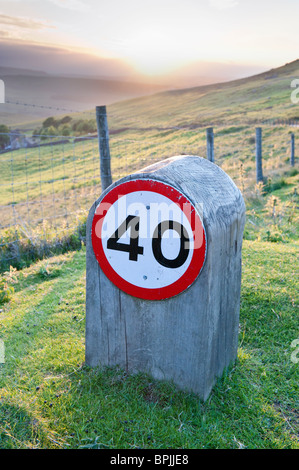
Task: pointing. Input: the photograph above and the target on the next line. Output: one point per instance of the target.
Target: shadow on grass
(17, 429)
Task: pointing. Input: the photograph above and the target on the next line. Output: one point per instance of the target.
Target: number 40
(134, 249)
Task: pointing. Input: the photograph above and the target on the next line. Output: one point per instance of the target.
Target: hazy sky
(156, 36)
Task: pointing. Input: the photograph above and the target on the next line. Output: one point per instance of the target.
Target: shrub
(6, 289)
(270, 185)
(50, 121)
(4, 137)
(19, 252)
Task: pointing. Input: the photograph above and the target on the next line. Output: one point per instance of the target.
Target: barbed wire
(16, 102)
(139, 120)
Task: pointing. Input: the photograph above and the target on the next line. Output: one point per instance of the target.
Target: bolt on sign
(163, 273)
(148, 239)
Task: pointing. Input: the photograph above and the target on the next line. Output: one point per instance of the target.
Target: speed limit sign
(149, 239)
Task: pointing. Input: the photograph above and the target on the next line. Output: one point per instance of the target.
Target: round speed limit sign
(148, 239)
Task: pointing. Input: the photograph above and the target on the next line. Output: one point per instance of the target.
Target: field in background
(46, 191)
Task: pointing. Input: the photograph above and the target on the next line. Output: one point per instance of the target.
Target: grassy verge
(50, 399)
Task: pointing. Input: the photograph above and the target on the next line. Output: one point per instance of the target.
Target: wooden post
(292, 149)
(103, 135)
(210, 144)
(189, 334)
(258, 155)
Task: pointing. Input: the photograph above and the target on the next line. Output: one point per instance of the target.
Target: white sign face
(148, 239)
(148, 210)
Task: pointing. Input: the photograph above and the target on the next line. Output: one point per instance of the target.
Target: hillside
(46, 94)
(49, 397)
(258, 98)
(151, 128)
(254, 99)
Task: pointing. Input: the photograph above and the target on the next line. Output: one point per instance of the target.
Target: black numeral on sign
(132, 223)
(157, 242)
(132, 248)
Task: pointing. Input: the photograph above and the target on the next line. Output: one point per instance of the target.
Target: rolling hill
(49, 397)
(150, 128)
(258, 98)
(44, 94)
(261, 97)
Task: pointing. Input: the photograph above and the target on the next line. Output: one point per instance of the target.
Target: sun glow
(153, 66)
(153, 52)
(155, 38)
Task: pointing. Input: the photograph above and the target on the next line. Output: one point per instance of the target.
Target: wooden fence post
(258, 155)
(103, 135)
(210, 144)
(292, 149)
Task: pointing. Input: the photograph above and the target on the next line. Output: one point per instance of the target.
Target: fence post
(258, 155)
(103, 135)
(292, 149)
(210, 144)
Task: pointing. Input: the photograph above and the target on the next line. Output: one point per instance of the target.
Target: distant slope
(254, 99)
(258, 98)
(60, 94)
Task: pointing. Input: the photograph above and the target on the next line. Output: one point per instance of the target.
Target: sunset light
(154, 38)
(149, 229)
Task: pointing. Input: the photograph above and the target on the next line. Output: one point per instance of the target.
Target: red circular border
(198, 256)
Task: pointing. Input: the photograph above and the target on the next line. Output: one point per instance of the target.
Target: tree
(4, 136)
(50, 121)
(36, 132)
(83, 126)
(51, 130)
(65, 120)
(66, 130)
(76, 125)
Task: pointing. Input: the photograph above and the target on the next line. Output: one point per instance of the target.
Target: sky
(228, 38)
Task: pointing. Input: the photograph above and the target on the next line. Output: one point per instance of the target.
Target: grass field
(50, 399)
(46, 192)
(152, 128)
(147, 129)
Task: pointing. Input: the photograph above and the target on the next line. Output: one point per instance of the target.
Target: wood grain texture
(292, 161)
(104, 148)
(258, 155)
(191, 338)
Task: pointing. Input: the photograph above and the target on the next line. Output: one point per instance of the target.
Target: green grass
(53, 188)
(55, 183)
(50, 399)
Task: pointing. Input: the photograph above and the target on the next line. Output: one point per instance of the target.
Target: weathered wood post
(210, 144)
(103, 135)
(258, 155)
(292, 161)
(163, 273)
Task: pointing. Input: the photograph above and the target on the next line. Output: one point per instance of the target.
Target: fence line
(47, 188)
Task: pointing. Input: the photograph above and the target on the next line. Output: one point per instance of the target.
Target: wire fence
(47, 186)
(45, 191)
